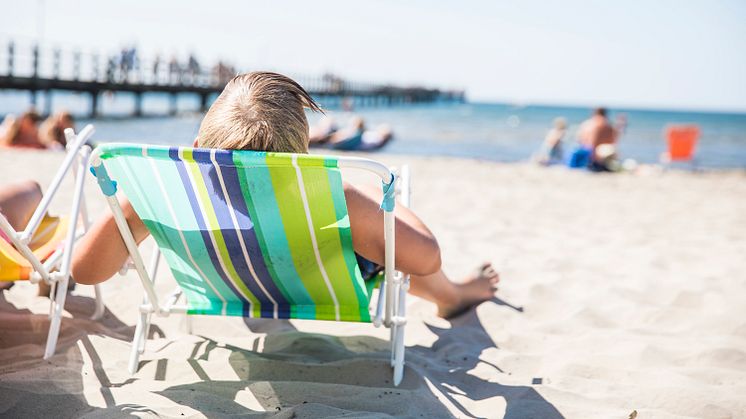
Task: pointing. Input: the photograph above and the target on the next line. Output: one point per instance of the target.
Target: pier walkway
(43, 72)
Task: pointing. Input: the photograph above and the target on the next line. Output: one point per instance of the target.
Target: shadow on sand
(292, 373)
(32, 387)
(450, 358)
(285, 374)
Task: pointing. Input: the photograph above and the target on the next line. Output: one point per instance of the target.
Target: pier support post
(138, 103)
(94, 105)
(203, 102)
(174, 105)
(48, 103)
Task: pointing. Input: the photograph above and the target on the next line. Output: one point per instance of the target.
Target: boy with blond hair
(264, 111)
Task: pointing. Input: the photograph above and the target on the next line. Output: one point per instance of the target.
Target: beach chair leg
(99, 312)
(392, 338)
(145, 333)
(398, 346)
(137, 342)
(54, 326)
(398, 341)
(52, 293)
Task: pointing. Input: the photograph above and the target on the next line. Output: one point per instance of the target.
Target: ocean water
(497, 132)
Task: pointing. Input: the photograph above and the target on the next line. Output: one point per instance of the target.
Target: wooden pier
(94, 75)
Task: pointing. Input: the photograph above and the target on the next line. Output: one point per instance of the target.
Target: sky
(662, 54)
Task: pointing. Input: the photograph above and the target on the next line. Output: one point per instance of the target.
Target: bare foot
(476, 288)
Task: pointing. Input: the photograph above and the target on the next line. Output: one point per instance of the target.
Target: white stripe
(212, 236)
(313, 236)
(179, 229)
(238, 232)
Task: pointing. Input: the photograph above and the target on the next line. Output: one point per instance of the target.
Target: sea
(489, 131)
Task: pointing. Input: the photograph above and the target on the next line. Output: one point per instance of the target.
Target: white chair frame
(390, 309)
(55, 271)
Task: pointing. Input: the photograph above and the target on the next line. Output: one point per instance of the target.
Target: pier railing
(44, 69)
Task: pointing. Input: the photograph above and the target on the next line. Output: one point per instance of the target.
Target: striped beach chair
(43, 250)
(252, 234)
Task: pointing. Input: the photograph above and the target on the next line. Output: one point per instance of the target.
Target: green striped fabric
(247, 233)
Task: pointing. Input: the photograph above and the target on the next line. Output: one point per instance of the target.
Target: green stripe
(293, 216)
(345, 237)
(326, 226)
(212, 224)
(270, 231)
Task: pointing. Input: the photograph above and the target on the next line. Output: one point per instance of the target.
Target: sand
(620, 293)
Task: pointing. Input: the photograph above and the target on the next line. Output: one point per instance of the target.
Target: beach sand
(619, 293)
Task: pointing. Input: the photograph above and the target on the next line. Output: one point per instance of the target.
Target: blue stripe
(228, 231)
(211, 251)
(263, 207)
(233, 186)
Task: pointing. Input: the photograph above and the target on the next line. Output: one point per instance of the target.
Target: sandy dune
(619, 293)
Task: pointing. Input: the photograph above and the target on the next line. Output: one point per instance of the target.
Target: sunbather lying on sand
(355, 137)
(264, 111)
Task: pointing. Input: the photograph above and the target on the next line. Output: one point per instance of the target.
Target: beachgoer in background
(322, 132)
(355, 137)
(278, 123)
(597, 150)
(551, 150)
(377, 138)
(21, 132)
(52, 130)
(350, 137)
(598, 133)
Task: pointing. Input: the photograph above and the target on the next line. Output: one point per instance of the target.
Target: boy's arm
(102, 252)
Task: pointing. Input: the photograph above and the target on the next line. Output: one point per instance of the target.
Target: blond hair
(260, 111)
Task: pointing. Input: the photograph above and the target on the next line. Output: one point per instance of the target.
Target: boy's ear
(195, 144)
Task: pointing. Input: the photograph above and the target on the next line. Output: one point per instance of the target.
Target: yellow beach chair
(43, 250)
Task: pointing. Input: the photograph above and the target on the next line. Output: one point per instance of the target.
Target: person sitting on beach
(52, 130)
(21, 132)
(600, 137)
(551, 150)
(263, 111)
